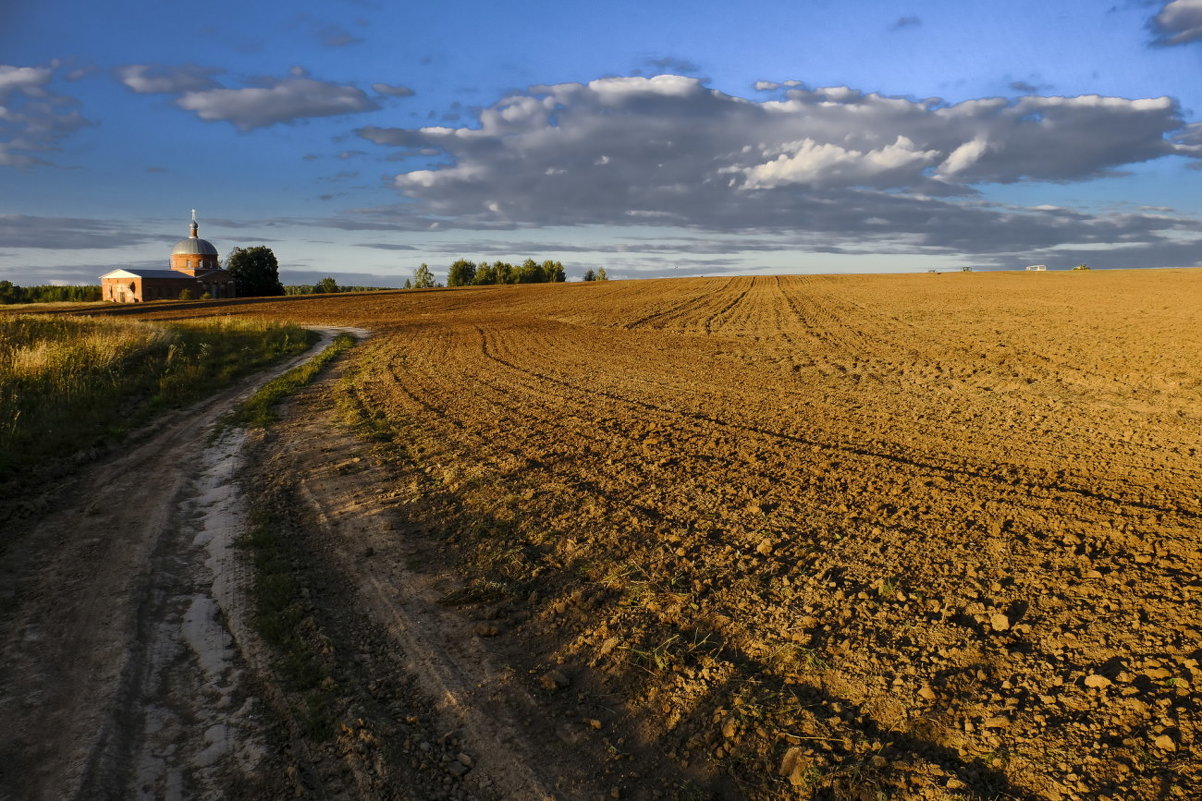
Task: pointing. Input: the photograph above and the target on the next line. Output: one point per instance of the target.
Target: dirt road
(131, 670)
(122, 674)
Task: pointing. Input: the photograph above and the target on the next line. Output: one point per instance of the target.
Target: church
(194, 268)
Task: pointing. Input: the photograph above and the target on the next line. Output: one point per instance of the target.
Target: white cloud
(843, 164)
(33, 120)
(601, 148)
(155, 79)
(270, 102)
(1190, 139)
(1179, 22)
(963, 157)
(283, 100)
(27, 80)
(810, 162)
(614, 91)
(417, 179)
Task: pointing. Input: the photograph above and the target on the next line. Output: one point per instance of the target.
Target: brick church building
(194, 267)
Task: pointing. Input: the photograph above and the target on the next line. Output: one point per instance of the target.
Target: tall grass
(69, 384)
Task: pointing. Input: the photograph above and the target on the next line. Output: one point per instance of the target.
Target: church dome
(196, 246)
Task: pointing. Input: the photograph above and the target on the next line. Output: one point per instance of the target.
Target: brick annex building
(194, 267)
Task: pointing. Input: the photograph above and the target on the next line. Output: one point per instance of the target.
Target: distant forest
(12, 293)
(328, 285)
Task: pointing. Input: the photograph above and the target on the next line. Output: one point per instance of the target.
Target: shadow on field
(501, 569)
(489, 548)
(896, 757)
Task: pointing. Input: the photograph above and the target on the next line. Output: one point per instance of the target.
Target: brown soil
(851, 537)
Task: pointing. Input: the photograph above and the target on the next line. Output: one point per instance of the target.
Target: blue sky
(360, 138)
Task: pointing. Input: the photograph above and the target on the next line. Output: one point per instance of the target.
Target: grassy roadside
(259, 409)
(301, 654)
(72, 385)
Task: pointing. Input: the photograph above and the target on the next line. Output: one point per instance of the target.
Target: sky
(360, 138)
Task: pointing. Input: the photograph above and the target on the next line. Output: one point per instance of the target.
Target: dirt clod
(553, 680)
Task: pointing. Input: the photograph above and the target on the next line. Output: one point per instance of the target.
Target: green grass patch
(69, 384)
(259, 409)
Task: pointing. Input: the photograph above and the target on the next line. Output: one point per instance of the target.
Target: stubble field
(821, 537)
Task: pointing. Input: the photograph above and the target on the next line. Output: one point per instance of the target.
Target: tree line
(467, 273)
(13, 293)
(328, 285)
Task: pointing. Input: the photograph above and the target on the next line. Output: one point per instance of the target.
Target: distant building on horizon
(194, 268)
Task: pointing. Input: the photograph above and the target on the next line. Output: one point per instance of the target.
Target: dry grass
(68, 384)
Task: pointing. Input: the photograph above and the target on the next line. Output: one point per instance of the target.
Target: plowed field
(833, 537)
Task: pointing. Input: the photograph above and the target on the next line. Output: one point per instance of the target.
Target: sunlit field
(911, 535)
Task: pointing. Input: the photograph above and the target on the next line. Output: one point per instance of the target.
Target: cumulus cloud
(33, 119)
(670, 149)
(851, 169)
(815, 164)
(30, 81)
(1178, 22)
(157, 79)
